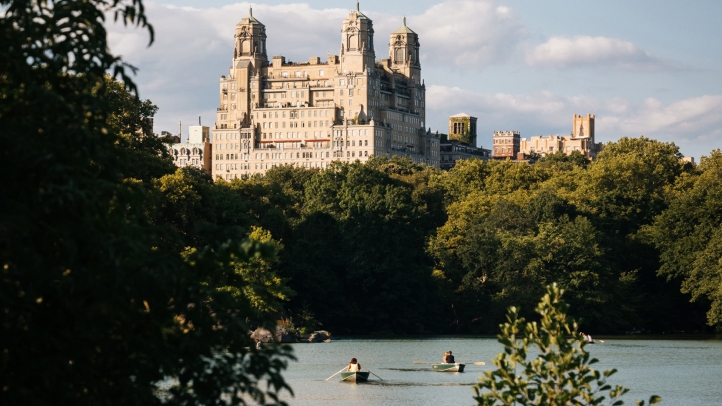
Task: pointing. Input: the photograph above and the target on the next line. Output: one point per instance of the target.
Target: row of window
(310, 154)
(186, 162)
(353, 133)
(295, 114)
(220, 157)
(294, 124)
(231, 167)
(293, 135)
(231, 136)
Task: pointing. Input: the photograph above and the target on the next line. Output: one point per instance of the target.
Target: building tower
(462, 128)
(583, 127)
(404, 53)
(249, 57)
(250, 39)
(357, 43)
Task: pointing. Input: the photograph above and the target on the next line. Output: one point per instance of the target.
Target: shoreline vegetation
(119, 270)
(391, 247)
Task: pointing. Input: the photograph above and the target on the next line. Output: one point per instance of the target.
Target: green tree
(96, 308)
(260, 284)
(688, 236)
(377, 263)
(561, 373)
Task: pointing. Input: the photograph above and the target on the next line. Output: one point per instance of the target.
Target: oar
(336, 373)
(374, 374)
(475, 363)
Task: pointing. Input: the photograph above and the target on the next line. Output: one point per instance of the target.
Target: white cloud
(695, 124)
(586, 51)
(467, 33)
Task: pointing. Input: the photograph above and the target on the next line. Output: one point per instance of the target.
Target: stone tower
(583, 127)
(404, 53)
(238, 91)
(462, 127)
(250, 41)
(357, 42)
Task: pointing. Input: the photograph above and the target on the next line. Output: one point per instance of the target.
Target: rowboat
(456, 367)
(355, 376)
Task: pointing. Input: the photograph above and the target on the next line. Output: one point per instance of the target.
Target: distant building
(461, 142)
(309, 114)
(462, 128)
(581, 139)
(507, 144)
(689, 159)
(196, 151)
(452, 151)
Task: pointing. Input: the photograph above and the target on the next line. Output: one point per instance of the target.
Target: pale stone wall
(581, 139)
(309, 114)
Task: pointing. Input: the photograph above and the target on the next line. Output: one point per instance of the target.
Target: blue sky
(642, 67)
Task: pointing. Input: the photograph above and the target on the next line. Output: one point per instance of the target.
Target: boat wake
(409, 369)
(387, 383)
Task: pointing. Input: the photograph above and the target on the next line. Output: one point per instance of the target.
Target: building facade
(196, 151)
(461, 142)
(507, 144)
(581, 139)
(453, 151)
(349, 107)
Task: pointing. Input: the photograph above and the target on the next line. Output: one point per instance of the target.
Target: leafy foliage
(560, 374)
(689, 238)
(104, 292)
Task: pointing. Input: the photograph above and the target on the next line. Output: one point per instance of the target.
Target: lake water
(684, 372)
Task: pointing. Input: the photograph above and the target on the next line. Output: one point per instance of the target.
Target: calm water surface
(684, 372)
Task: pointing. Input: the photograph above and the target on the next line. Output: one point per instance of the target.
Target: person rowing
(448, 358)
(353, 366)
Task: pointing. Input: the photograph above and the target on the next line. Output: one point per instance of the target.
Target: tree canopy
(112, 261)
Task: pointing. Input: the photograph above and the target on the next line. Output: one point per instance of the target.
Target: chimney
(199, 120)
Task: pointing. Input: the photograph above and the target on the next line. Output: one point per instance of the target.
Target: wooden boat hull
(355, 376)
(456, 367)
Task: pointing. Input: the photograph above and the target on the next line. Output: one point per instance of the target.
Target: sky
(643, 67)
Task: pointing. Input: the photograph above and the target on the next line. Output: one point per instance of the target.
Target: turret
(404, 52)
(357, 42)
(250, 40)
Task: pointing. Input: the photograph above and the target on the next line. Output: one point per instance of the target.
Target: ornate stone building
(581, 139)
(196, 151)
(349, 107)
